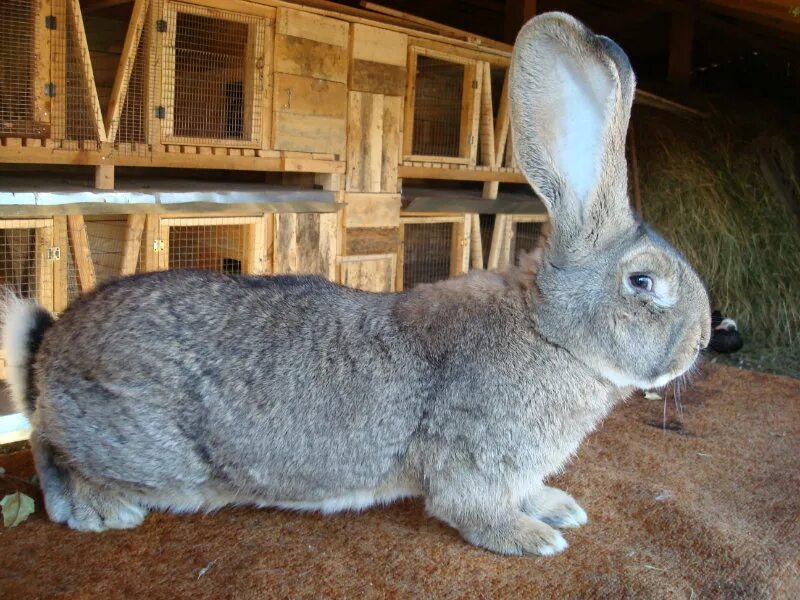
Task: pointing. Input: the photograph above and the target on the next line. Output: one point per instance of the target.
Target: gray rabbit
(187, 391)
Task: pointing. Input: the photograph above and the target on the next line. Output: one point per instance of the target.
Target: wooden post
(104, 177)
(151, 233)
(517, 13)
(459, 246)
(44, 270)
(401, 255)
(81, 254)
(680, 47)
(131, 248)
(60, 267)
(476, 243)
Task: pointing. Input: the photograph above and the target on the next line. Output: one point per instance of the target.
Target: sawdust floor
(708, 509)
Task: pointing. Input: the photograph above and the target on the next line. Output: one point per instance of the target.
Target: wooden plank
(309, 133)
(408, 120)
(104, 177)
(365, 142)
(328, 227)
(486, 128)
(285, 248)
(372, 240)
(161, 247)
(150, 251)
(44, 267)
(421, 172)
(308, 258)
(255, 249)
(153, 77)
(501, 130)
(125, 68)
(267, 86)
(377, 78)
(498, 234)
(81, 254)
(459, 246)
(376, 44)
(373, 210)
(308, 96)
(131, 247)
(401, 259)
(42, 62)
(90, 87)
(374, 273)
(392, 134)
(476, 242)
(311, 26)
(299, 56)
(470, 112)
(60, 267)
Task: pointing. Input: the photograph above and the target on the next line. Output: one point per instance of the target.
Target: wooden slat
(379, 45)
(501, 130)
(308, 96)
(374, 273)
(373, 210)
(299, 56)
(131, 247)
(496, 249)
(365, 142)
(285, 260)
(44, 267)
(377, 78)
(152, 231)
(309, 133)
(408, 120)
(390, 153)
(476, 243)
(486, 129)
(81, 254)
(314, 27)
(90, 87)
(401, 259)
(466, 174)
(125, 68)
(470, 112)
(255, 249)
(60, 268)
(328, 227)
(42, 62)
(459, 246)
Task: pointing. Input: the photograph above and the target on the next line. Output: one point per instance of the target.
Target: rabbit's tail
(23, 326)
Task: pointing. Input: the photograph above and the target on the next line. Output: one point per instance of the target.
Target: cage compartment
(442, 108)
(432, 248)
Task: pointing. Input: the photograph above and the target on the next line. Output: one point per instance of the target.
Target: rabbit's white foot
(554, 507)
(524, 535)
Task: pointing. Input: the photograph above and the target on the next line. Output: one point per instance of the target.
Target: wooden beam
(82, 256)
(517, 13)
(681, 35)
(104, 177)
(90, 87)
(125, 68)
(131, 248)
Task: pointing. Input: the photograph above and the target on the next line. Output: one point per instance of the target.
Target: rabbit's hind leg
(81, 504)
(555, 507)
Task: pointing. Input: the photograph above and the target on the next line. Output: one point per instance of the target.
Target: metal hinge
(54, 253)
(161, 26)
(158, 246)
(50, 22)
(471, 140)
(474, 84)
(50, 90)
(161, 112)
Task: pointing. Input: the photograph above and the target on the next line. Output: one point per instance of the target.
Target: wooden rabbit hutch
(347, 102)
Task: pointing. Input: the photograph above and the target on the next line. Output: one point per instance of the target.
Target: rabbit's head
(611, 291)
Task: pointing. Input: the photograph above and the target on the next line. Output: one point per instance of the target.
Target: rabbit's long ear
(571, 93)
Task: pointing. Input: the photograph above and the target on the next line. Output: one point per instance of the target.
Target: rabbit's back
(279, 387)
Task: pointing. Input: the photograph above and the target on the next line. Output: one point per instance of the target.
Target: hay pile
(704, 188)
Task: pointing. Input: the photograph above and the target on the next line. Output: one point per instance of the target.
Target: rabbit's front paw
(554, 507)
(524, 535)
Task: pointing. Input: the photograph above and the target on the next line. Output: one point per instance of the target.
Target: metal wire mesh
(19, 261)
(211, 92)
(211, 247)
(437, 108)
(426, 253)
(75, 113)
(134, 119)
(18, 70)
(526, 236)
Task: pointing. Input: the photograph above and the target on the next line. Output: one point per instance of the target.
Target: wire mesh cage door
(27, 257)
(441, 108)
(432, 249)
(213, 76)
(233, 245)
(24, 70)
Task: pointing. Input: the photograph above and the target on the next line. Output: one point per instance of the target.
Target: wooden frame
(470, 107)
(258, 48)
(459, 244)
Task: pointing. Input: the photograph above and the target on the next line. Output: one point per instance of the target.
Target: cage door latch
(50, 90)
(54, 253)
(161, 112)
(50, 22)
(161, 26)
(158, 246)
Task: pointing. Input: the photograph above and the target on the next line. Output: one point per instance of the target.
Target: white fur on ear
(582, 106)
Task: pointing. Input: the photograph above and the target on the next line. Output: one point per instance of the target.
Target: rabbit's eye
(641, 282)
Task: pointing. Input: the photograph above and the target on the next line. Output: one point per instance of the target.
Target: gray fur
(189, 390)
